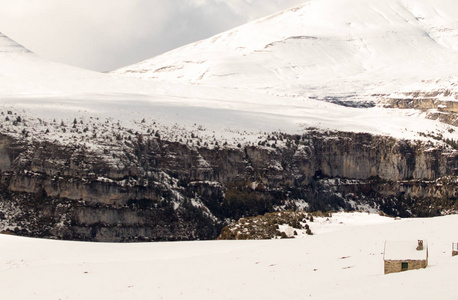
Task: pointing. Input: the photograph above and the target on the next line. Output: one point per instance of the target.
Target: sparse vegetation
(439, 137)
(285, 224)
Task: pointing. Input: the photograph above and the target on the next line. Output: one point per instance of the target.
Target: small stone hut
(405, 255)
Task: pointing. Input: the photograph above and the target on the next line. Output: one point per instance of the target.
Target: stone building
(405, 255)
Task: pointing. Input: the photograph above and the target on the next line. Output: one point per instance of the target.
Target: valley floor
(342, 260)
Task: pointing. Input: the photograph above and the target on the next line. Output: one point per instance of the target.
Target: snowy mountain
(11, 47)
(236, 126)
(349, 49)
(24, 73)
(34, 83)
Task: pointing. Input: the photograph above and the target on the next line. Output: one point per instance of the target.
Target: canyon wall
(153, 189)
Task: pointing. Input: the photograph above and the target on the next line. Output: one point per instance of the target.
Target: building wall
(394, 266)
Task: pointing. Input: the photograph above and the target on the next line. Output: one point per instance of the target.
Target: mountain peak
(7, 45)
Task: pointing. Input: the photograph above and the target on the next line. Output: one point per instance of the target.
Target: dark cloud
(104, 34)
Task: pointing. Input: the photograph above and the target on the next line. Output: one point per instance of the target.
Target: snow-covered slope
(7, 45)
(23, 73)
(45, 90)
(342, 260)
(275, 70)
(322, 49)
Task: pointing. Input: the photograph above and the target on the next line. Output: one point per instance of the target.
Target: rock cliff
(154, 189)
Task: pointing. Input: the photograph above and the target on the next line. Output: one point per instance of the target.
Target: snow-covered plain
(342, 260)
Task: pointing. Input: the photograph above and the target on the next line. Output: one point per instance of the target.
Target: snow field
(207, 120)
(342, 260)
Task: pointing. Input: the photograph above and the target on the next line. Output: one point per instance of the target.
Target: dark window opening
(404, 266)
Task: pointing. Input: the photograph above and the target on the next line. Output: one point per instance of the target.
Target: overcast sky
(104, 35)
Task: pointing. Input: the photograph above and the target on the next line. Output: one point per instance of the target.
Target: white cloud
(106, 34)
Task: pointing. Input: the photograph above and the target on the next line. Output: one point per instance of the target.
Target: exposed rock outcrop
(445, 111)
(153, 189)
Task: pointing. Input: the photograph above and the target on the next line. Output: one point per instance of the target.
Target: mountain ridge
(321, 49)
(8, 45)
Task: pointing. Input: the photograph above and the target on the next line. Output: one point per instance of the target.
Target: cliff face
(153, 189)
(445, 111)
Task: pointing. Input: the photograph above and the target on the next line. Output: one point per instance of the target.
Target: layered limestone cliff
(154, 189)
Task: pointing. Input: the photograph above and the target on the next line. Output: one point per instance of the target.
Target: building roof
(405, 250)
